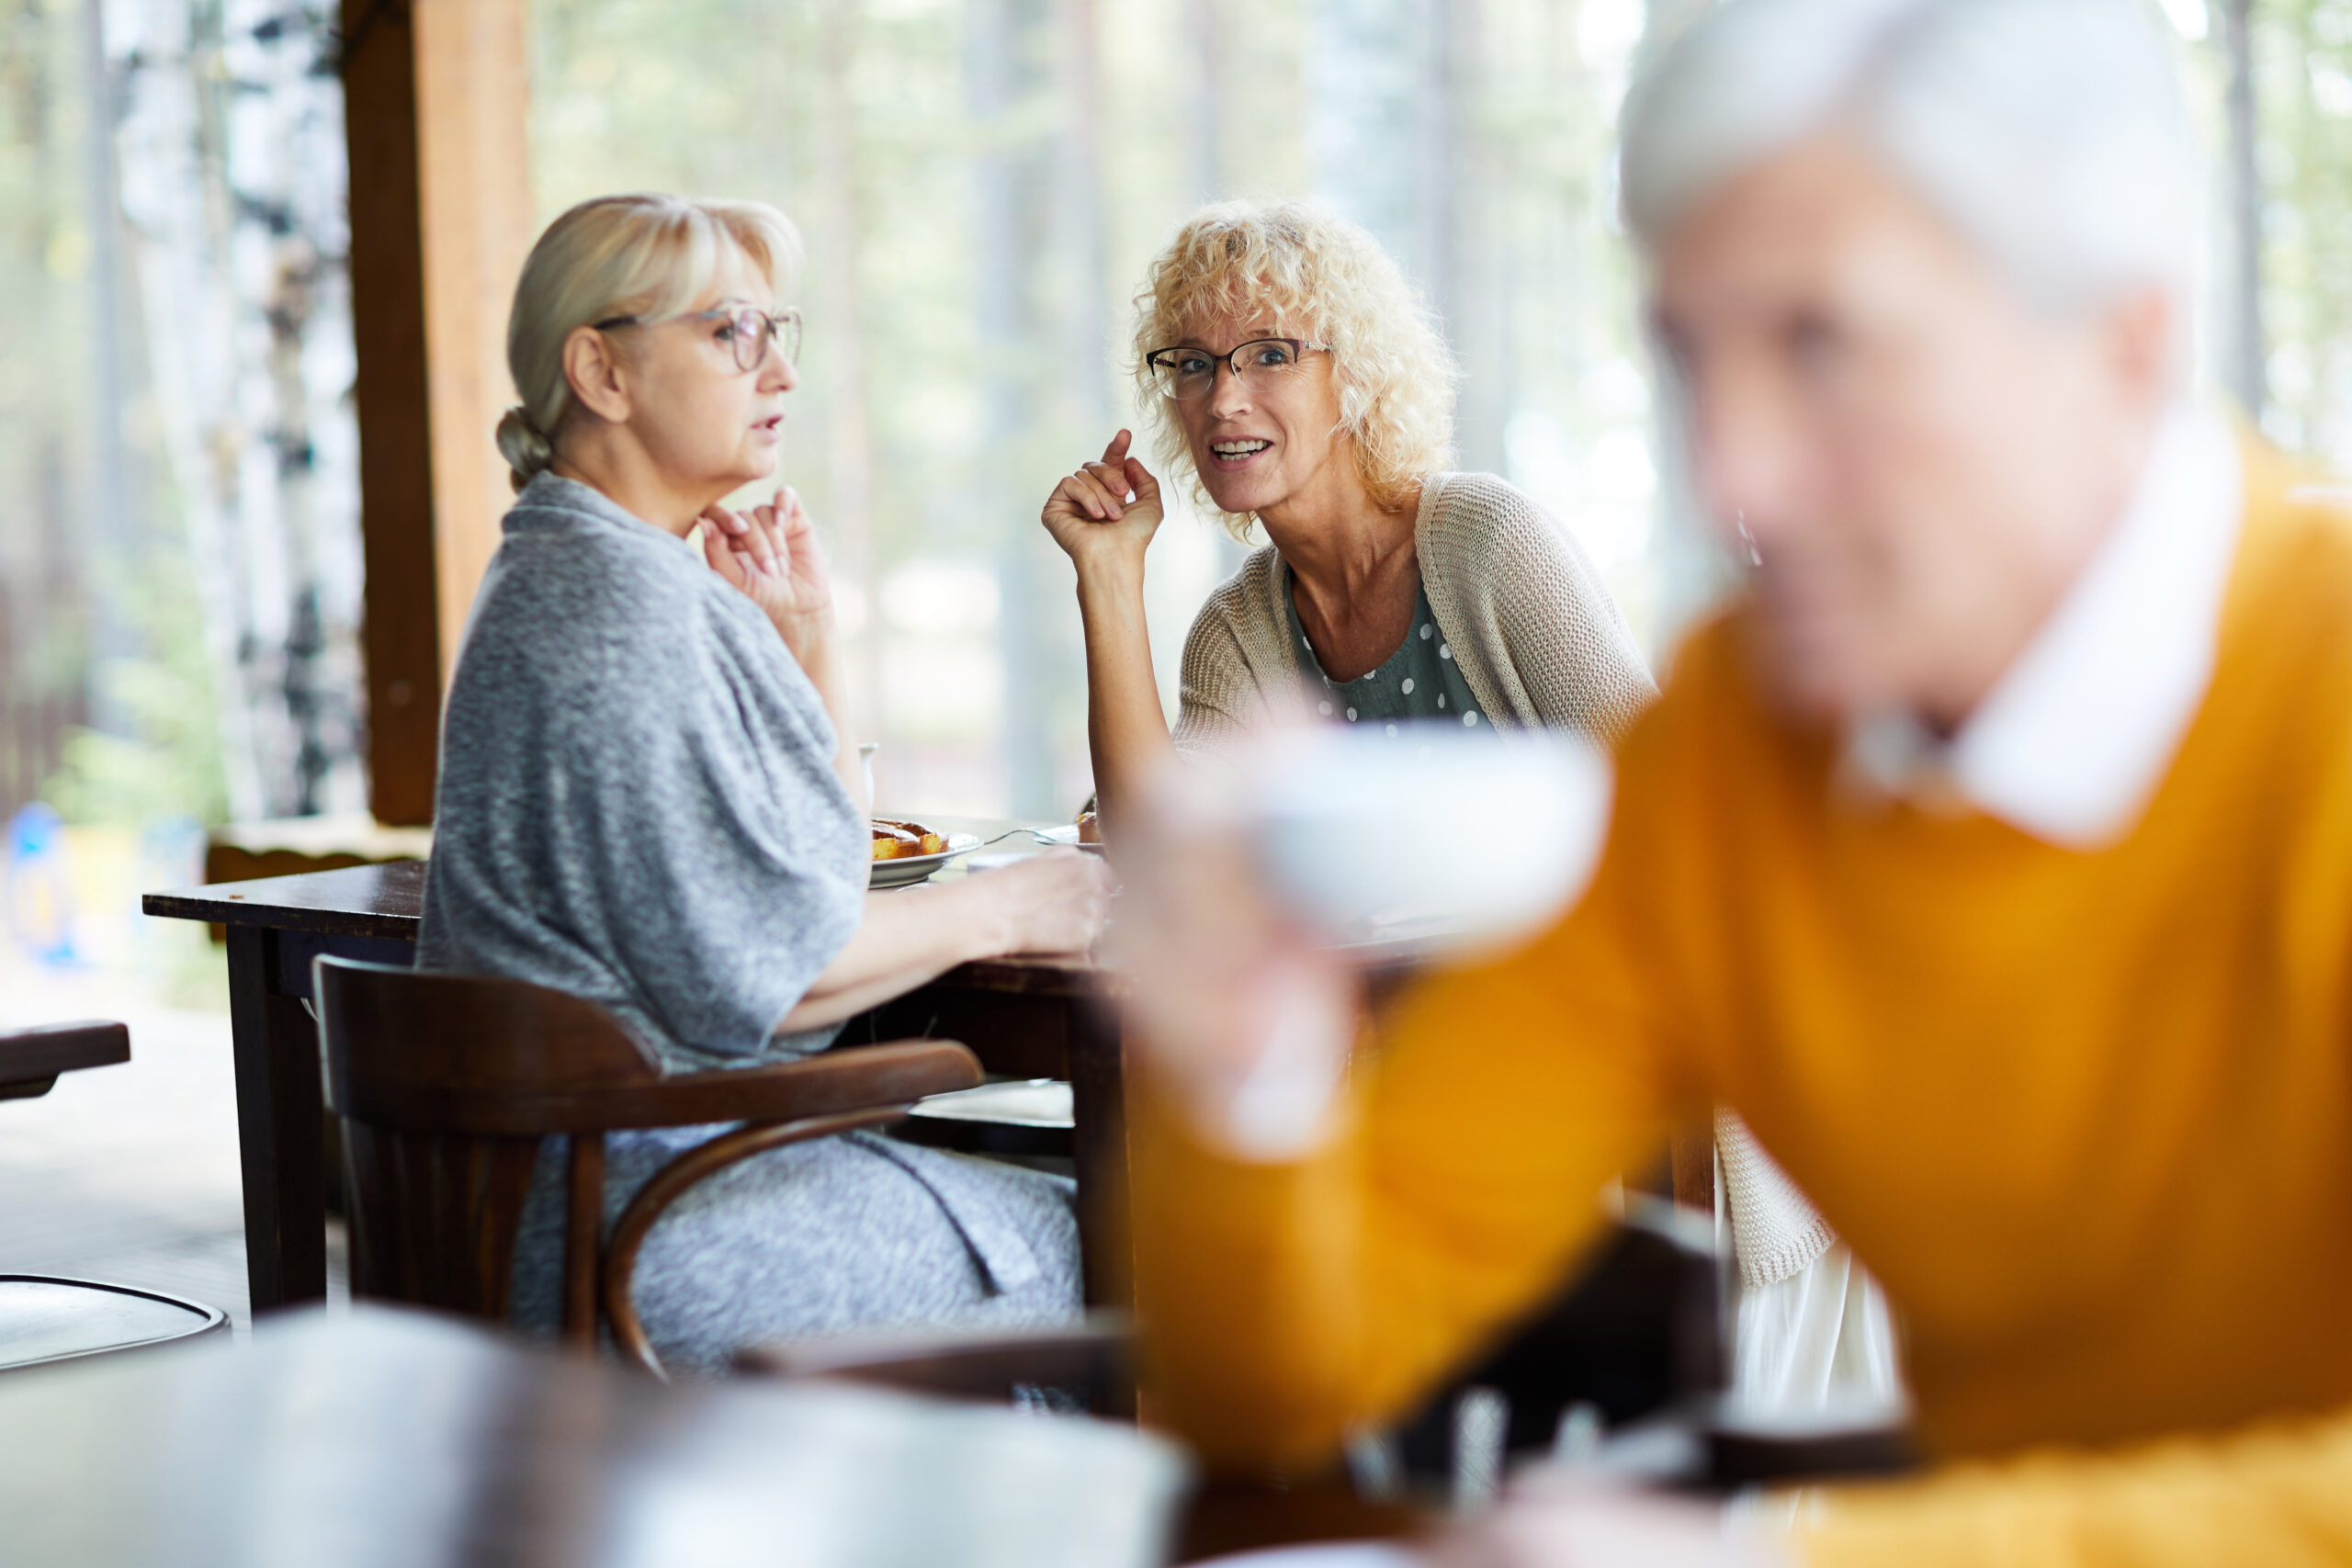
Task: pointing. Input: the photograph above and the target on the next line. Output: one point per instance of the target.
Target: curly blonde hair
(1325, 279)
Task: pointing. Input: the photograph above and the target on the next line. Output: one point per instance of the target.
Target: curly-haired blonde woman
(1300, 386)
(1305, 390)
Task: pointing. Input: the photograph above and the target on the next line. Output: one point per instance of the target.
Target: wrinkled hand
(1053, 902)
(1106, 514)
(771, 556)
(1563, 1523)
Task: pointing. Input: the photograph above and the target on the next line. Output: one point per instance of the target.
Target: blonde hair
(620, 255)
(1323, 279)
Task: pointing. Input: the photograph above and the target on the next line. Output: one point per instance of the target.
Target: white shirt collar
(2074, 739)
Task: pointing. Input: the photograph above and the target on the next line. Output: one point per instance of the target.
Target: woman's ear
(598, 378)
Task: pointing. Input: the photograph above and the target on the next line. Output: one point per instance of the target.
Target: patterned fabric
(1420, 680)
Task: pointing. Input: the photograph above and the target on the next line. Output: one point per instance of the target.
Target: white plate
(1030, 1102)
(1065, 835)
(1323, 1554)
(914, 868)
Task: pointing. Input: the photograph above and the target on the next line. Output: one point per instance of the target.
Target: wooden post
(435, 96)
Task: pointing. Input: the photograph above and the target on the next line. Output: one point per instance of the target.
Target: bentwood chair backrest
(446, 1084)
(449, 1083)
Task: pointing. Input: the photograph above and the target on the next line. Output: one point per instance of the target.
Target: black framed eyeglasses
(1185, 373)
(747, 331)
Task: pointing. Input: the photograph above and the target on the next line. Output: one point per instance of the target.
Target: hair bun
(525, 448)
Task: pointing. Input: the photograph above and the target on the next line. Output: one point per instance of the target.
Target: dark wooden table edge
(1044, 973)
(308, 921)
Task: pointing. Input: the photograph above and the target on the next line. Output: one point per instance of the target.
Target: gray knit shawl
(637, 802)
(1538, 638)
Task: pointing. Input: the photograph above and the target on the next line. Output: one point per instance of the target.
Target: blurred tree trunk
(1366, 97)
(840, 317)
(1086, 330)
(1006, 47)
(2242, 349)
(1467, 265)
(1203, 24)
(1393, 91)
(112, 529)
(43, 585)
(1211, 148)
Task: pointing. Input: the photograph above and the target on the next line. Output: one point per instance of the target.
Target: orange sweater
(2089, 1116)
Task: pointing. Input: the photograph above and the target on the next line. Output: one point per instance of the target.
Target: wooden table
(1025, 1017)
(386, 1439)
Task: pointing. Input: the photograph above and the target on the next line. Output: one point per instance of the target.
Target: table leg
(1099, 1107)
(278, 1105)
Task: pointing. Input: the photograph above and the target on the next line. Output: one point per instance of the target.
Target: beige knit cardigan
(1542, 645)
(1537, 636)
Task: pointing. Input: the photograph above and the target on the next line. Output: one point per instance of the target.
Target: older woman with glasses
(1296, 381)
(649, 798)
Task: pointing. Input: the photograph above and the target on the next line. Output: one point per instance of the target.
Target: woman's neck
(1337, 541)
(1355, 574)
(625, 473)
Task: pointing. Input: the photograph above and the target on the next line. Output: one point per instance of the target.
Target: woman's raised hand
(1107, 513)
(772, 556)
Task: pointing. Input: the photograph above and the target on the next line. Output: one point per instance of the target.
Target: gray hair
(2050, 134)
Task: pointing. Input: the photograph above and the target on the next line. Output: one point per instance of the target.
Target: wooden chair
(448, 1083)
(45, 1319)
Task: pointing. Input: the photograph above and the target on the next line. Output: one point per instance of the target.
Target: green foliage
(169, 763)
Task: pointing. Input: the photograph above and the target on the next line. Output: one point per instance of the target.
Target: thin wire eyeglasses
(748, 331)
(1186, 374)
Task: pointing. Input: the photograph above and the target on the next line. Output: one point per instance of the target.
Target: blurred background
(981, 183)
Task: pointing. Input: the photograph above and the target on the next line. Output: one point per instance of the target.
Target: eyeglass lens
(1191, 372)
(752, 330)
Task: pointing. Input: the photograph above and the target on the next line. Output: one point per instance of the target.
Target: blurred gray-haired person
(1991, 855)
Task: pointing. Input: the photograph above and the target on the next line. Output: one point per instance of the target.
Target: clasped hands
(770, 554)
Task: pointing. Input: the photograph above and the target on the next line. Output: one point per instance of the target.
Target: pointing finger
(1118, 447)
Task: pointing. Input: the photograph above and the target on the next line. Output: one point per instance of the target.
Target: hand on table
(771, 555)
(1106, 514)
(1053, 902)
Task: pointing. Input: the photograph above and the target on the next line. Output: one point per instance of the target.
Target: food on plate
(897, 840)
(1090, 827)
